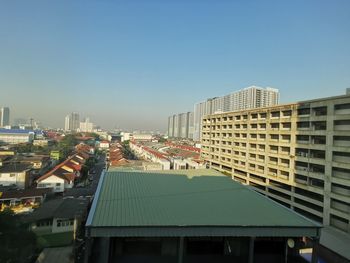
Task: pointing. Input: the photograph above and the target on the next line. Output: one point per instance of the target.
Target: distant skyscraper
(67, 123)
(72, 122)
(181, 125)
(4, 116)
(247, 98)
(86, 126)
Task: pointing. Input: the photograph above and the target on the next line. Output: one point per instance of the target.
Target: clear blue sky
(130, 64)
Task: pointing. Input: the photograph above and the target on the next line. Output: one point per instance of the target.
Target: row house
(64, 174)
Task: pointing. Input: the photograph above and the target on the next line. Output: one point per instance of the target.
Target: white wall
(18, 179)
(66, 225)
(51, 182)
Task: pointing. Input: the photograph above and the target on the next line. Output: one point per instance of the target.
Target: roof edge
(94, 202)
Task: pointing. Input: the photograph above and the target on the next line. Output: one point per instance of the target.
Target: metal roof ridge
(96, 197)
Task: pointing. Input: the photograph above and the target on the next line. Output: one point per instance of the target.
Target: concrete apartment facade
(297, 154)
(181, 125)
(247, 98)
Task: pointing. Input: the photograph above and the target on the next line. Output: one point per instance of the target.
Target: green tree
(127, 152)
(66, 145)
(18, 244)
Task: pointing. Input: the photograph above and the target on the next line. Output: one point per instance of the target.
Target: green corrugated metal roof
(185, 198)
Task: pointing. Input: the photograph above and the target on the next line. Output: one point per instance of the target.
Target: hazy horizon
(131, 64)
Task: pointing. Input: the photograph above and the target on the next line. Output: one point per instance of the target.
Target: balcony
(342, 125)
(341, 173)
(342, 109)
(340, 206)
(342, 157)
(340, 189)
(300, 179)
(342, 141)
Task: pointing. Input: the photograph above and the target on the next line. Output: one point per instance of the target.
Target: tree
(66, 145)
(18, 244)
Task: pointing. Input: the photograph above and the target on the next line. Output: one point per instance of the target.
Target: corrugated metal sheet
(188, 198)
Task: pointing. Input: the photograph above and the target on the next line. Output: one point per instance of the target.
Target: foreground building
(247, 98)
(189, 216)
(297, 154)
(57, 221)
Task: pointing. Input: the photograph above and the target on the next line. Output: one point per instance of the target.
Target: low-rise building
(15, 174)
(187, 164)
(149, 154)
(141, 137)
(23, 200)
(58, 216)
(190, 216)
(42, 142)
(37, 161)
(103, 145)
(15, 136)
(64, 174)
(56, 155)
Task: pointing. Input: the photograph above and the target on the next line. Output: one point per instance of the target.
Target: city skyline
(132, 64)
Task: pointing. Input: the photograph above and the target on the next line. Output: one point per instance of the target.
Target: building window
(12, 175)
(63, 223)
(58, 184)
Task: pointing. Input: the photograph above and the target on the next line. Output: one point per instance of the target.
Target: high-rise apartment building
(86, 126)
(247, 98)
(181, 125)
(72, 122)
(171, 126)
(296, 154)
(4, 116)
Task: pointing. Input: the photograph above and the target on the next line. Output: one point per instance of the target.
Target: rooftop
(16, 131)
(186, 199)
(59, 208)
(15, 167)
(24, 193)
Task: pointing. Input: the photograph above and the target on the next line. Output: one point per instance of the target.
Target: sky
(131, 64)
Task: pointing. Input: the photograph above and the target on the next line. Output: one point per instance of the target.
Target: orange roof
(55, 171)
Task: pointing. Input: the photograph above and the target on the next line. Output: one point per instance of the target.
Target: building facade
(15, 136)
(15, 174)
(247, 98)
(86, 126)
(4, 116)
(171, 126)
(297, 154)
(181, 125)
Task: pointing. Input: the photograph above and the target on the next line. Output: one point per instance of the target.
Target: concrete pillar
(251, 250)
(104, 244)
(181, 250)
(315, 243)
(87, 249)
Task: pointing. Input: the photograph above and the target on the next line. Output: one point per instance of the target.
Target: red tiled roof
(155, 153)
(183, 147)
(63, 174)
